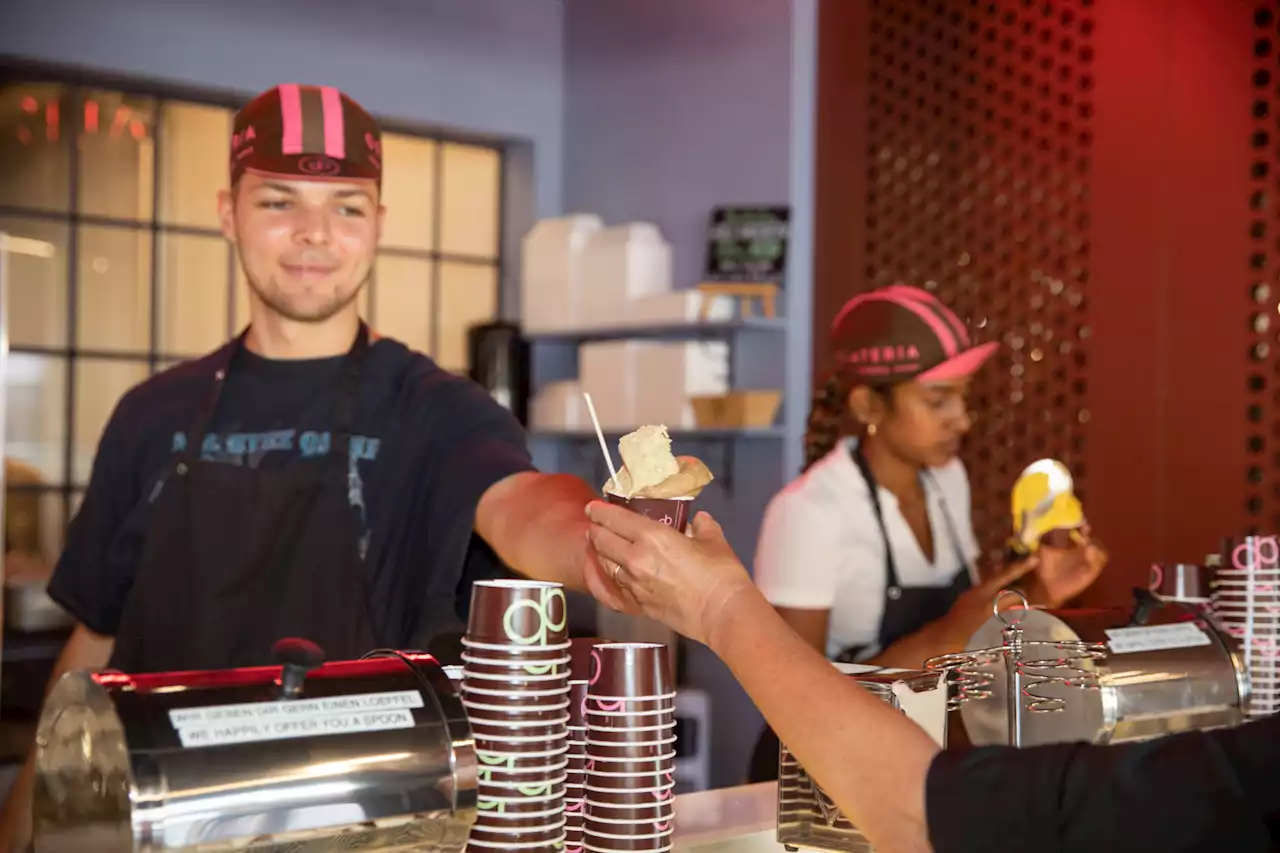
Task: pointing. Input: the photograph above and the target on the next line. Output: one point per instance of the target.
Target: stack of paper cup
(515, 687)
(1246, 601)
(575, 785)
(631, 752)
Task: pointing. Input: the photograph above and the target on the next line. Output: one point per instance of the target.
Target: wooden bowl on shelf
(737, 409)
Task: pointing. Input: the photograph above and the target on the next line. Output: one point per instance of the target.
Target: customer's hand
(685, 582)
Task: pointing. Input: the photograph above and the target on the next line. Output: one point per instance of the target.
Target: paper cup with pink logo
(673, 512)
(634, 674)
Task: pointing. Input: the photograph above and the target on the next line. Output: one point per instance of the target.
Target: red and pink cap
(899, 333)
(311, 132)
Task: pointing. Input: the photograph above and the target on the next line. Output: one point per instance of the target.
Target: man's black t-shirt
(1209, 792)
(425, 447)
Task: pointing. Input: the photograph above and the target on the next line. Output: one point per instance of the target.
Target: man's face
(307, 247)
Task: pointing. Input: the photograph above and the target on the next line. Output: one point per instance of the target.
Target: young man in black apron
(307, 479)
(898, 496)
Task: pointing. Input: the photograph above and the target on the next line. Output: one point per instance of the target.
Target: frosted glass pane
(408, 192)
(114, 289)
(472, 203)
(195, 146)
(403, 301)
(193, 294)
(37, 282)
(117, 155)
(35, 417)
(99, 385)
(35, 158)
(468, 296)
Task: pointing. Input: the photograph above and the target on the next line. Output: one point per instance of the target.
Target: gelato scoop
(649, 470)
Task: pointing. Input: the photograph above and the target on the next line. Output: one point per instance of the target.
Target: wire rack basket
(1030, 668)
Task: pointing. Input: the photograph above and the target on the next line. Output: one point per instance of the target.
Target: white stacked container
(639, 382)
(620, 265)
(551, 274)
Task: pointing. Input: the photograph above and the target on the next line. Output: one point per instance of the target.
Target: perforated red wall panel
(978, 169)
(1262, 476)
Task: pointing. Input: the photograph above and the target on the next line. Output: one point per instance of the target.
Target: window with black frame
(118, 268)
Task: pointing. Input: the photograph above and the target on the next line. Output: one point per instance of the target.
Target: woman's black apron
(236, 558)
(906, 609)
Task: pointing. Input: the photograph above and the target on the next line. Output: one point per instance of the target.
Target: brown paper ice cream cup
(635, 829)
(485, 727)
(578, 703)
(662, 764)
(630, 782)
(516, 762)
(548, 671)
(673, 512)
(502, 777)
(623, 671)
(497, 712)
(599, 844)
(496, 693)
(537, 810)
(545, 834)
(628, 722)
(622, 737)
(513, 746)
(613, 705)
(650, 810)
(631, 751)
(519, 613)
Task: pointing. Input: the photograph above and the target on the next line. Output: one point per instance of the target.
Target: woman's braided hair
(826, 419)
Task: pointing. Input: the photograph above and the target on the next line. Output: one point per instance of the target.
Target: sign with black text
(747, 244)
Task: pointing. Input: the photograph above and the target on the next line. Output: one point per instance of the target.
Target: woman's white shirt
(820, 547)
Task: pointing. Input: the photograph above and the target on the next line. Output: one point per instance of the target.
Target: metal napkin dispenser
(1101, 676)
(373, 754)
(807, 817)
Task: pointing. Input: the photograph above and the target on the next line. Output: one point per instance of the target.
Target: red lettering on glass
(121, 120)
(91, 116)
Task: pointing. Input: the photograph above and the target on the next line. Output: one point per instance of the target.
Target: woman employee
(870, 555)
(1202, 791)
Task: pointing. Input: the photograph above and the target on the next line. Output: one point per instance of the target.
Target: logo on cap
(319, 165)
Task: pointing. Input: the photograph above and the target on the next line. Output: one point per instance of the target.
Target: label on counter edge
(1150, 638)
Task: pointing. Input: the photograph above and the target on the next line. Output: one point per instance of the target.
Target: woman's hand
(685, 582)
(1064, 573)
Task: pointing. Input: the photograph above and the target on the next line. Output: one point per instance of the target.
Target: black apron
(907, 609)
(237, 558)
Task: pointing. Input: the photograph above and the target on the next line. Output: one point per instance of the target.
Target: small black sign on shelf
(747, 244)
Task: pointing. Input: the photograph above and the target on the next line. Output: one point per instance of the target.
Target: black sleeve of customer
(1198, 791)
(93, 577)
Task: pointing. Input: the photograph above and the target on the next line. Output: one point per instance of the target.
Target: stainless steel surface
(113, 774)
(1139, 694)
(807, 817)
